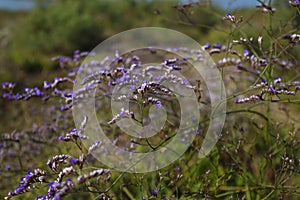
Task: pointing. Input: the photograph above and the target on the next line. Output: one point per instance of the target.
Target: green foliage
(61, 27)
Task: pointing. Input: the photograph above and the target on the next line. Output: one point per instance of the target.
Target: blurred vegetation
(61, 27)
(29, 39)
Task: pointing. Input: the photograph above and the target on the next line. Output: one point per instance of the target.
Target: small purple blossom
(132, 87)
(7, 167)
(61, 138)
(271, 89)
(74, 161)
(236, 100)
(207, 46)
(8, 85)
(158, 104)
(217, 45)
(246, 52)
(20, 189)
(154, 192)
(177, 168)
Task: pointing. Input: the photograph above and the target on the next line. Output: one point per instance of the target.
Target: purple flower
(158, 78)
(38, 92)
(7, 95)
(76, 52)
(41, 197)
(246, 52)
(73, 130)
(294, 3)
(27, 90)
(132, 87)
(271, 89)
(47, 85)
(122, 113)
(63, 108)
(8, 85)
(4, 84)
(73, 161)
(110, 83)
(154, 192)
(51, 184)
(20, 188)
(175, 67)
(11, 193)
(22, 179)
(158, 104)
(7, 167)
(207, 46)
(177, 168)
(61, 138)
(18, 96)
(217, 45)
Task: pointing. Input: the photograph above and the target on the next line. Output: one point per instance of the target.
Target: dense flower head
(8, 85)
(28, 180)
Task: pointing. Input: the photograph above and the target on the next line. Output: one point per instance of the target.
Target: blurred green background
(30, 37)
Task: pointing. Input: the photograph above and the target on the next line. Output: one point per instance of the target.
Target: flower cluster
(123, 114)
(58, 189)
(233, 19)
(215, 48)
(293, 38)
(74, 133)
(249, 57)
(26, 95)
(294, 3)
(56, 160)
(65, 171)
(275, 88)
(65, 61)
(96, 173)
(27, 182)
